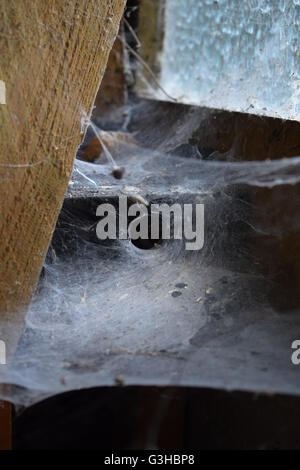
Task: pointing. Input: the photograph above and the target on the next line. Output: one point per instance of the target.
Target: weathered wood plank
(5, 425)
(53, 55)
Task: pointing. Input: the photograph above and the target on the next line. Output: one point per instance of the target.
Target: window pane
(241, 56)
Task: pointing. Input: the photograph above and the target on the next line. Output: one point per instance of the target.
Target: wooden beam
(53, 56)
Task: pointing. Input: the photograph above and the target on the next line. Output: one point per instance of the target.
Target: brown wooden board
(53, 56)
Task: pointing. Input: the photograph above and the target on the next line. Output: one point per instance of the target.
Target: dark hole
(146, 244)
(149, 243)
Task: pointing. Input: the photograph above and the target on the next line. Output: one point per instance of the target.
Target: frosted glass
(232, 54)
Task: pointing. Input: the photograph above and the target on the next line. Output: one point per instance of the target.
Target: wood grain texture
(53, 56)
